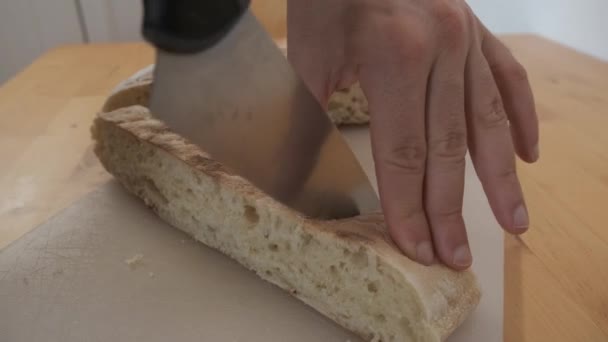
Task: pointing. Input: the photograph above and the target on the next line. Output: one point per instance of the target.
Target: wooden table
(556, 274)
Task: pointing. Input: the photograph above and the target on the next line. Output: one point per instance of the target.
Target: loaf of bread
(348, 270)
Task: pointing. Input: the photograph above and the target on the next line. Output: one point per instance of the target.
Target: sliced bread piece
(348, 270)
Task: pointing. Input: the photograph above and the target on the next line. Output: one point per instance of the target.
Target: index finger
(396, 95)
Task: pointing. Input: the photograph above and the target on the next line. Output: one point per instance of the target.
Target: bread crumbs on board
(135, 261)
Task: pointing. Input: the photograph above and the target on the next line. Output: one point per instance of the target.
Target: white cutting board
(68, 280)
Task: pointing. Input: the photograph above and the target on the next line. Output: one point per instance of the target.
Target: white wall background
(504, 16)
(112, 20)
(580, 24)
(29, 27)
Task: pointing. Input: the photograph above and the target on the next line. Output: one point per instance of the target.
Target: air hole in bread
(406, 326)
(333, 105)
(306, 239)
(372, 287)
(333, 270)
(359, 258)
(251, 214)
(273, 247)
(153, 190)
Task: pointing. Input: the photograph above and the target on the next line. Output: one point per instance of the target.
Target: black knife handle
(189, 26)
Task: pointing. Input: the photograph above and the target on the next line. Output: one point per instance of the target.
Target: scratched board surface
(107, 269)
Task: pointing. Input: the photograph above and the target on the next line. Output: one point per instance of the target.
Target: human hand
(438, 83)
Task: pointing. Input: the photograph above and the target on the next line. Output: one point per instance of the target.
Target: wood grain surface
(556, 274)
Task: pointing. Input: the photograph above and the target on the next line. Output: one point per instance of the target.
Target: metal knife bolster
(239, 100)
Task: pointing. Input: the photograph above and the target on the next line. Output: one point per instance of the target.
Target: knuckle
(499, 172)
(507, 173)
(413, 48)
(493, 116)
(445, 213)
(508, 176)
(451, 147)
(404, 37)
(409, 42)
(408, 156)
(515, 72)
(451, 18)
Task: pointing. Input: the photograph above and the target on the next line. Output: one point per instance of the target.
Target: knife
(222, 83)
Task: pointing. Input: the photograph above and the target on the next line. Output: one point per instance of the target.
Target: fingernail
(520, 218)
(462, 256)
(535, 153)
(424, 253)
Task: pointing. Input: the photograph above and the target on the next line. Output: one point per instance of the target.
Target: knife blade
(222, 82)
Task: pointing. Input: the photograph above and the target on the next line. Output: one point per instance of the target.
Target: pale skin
(438, 84)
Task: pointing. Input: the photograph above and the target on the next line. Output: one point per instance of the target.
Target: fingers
(512, 81)
(491, 145)
(396, 96)
(447, 146)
